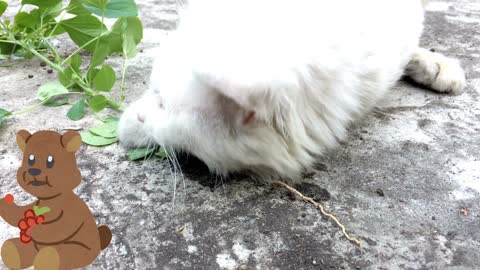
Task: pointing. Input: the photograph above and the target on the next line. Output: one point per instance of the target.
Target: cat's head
(231, 127)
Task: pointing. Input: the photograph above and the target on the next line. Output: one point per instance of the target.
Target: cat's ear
(22, 138)
(71, 141)
(256, 98)
(245, 92)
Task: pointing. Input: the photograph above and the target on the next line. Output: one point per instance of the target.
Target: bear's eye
(31, 160)
(50, 162)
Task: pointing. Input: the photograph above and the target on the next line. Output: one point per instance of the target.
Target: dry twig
(319, 206)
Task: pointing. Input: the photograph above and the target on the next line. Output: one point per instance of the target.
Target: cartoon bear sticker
(58, 230)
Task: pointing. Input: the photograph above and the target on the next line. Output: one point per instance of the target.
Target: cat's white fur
(304, 69)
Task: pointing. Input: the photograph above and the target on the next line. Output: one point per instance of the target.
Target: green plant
(31, 33)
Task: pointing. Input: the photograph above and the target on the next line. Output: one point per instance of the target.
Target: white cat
(267, 85)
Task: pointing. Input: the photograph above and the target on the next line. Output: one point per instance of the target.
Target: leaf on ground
(112, 119)
(95, 140)
(161, 153)
(98, 103)
(82, 29)
(3, 114)
(50, 89)
(77, 111)
(3, 7)
(107, 130)
(114, 8)
(136, 154)
(58, 102)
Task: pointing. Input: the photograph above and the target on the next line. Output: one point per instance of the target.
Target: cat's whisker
(174, 173)
(223, 185)
(172, 151)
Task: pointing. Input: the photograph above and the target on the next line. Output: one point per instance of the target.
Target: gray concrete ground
(406, 181)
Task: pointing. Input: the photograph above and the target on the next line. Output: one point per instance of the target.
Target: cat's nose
(34, 171)
(141, 117)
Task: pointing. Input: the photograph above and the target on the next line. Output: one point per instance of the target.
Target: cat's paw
(436, 71)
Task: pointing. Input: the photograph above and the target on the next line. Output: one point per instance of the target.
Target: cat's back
(272, 27)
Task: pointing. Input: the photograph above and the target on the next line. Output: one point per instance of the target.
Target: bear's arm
(13, 213)
(61, 228)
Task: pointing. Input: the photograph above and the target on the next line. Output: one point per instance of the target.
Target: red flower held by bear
(25, 224)
(30, 219)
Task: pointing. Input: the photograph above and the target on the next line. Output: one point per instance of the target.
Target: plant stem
(43, 58)
(122, 83)
(57, 55)
(81, 48)
(114, 105)
(28, 109)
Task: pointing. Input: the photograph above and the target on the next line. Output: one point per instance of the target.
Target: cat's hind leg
(436, 71)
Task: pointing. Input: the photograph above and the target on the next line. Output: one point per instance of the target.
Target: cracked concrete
(402, 181)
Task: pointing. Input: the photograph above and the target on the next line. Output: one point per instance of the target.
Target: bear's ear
(22, 139)
(71, 141)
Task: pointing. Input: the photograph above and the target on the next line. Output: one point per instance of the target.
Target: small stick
(319, 206)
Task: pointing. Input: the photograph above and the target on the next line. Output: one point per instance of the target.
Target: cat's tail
(105, 236)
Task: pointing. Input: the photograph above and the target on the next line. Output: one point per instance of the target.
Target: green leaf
(107, 130)
(42, 3)
(114, 9)
(76, 62)
(3, 114)
(100, 54)
(56, 103)
(136, 154)
(52, 12)
(40, 211)
(105, 79)
(56, 31)
(98, 103)
(76, 7)
(91, 73)
(65, 78)
(50, 89)
(161, 153)
(3, 7)
(26, 20)
(130, 32)
(101, 4)
(112, 119)
(8, 48)
(77, 111)
(124, 36)
(84, 28)
(92, 139)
